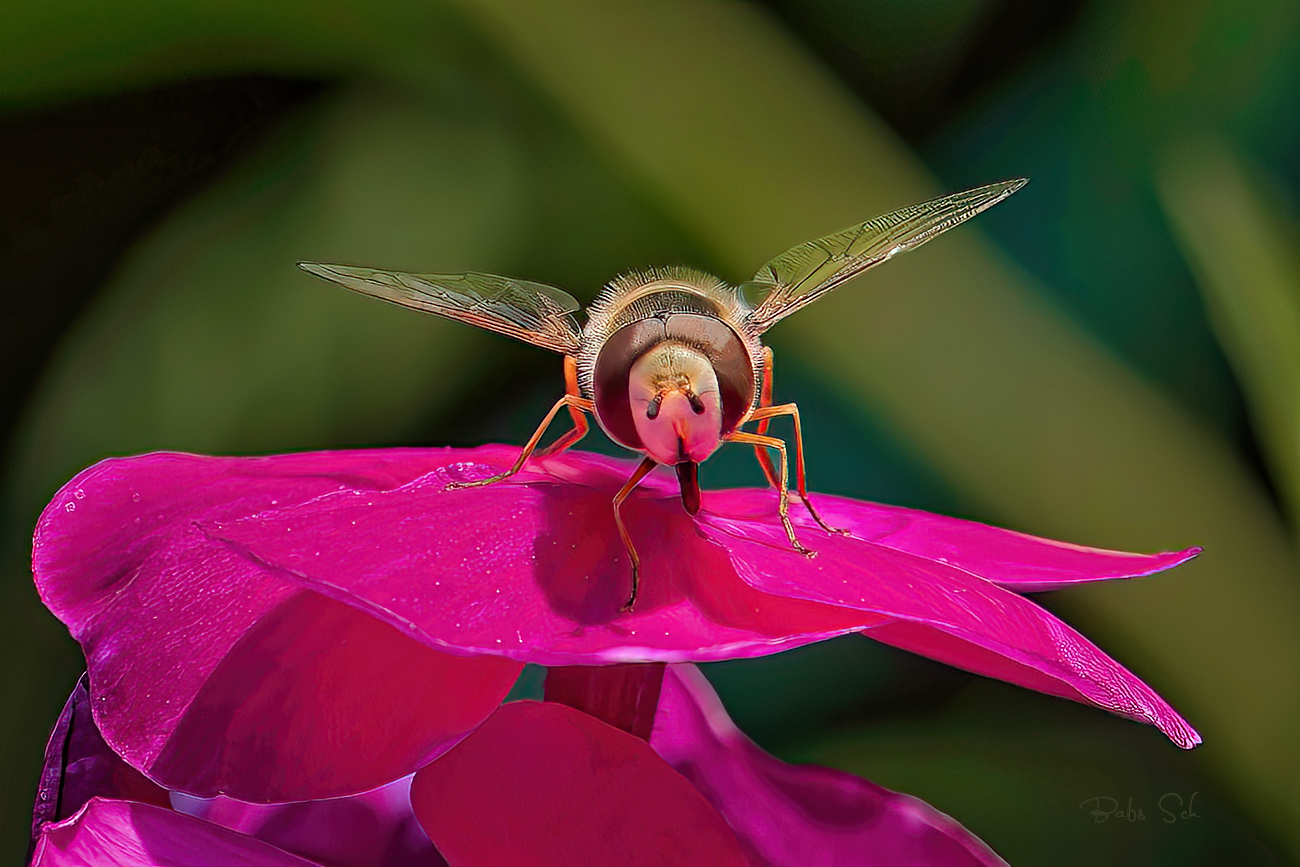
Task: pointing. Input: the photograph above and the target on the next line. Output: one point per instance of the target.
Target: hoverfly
(671, 361)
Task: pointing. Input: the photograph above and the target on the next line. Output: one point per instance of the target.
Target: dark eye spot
(696, 403)
(652, 411)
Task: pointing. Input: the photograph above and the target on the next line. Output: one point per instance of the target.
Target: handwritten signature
(1170, 804)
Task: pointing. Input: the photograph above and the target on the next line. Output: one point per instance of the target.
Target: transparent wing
(532, 312)
(805, 273)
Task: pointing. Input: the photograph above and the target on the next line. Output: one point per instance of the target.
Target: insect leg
(765, 400)
(647, 464)
(569, 400)
(762, 415)
(752, 439)
(579, 416)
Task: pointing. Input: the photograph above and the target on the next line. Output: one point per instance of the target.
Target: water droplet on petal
(135, 498)
(70, 507)
(79, 494)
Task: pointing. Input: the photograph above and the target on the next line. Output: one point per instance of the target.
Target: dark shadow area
(82, 181)
(922, 66)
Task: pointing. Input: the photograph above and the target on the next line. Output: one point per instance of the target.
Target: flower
(594, 794)
(93, 808)
(111, 833)
(310, 626)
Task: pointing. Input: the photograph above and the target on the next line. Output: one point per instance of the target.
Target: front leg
(574, 403)
(576, 412)
(761, 415)
(646, 465)
(753, 439)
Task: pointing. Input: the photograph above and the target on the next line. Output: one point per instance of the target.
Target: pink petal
(372, 829)
(127, 834)
(80, 766)
(214, 675)
(798, 814)
(697, 601)
(1013, 560)
(945, 613)
(543, 784)
(531, 568)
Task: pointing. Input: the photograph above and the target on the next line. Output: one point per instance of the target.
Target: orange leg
(741, 436)
(762, 415)
(765, 400)
(576, 404)
(576, 412)
(647, 464)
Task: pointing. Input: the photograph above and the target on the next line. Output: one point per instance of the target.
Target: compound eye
(652, 408)
(696, 403)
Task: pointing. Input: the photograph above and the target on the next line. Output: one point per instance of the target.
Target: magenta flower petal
(80, 766)
(373, 829)
(698, 600)
(542, 784)
(799, 814)
(127, 834)
(948, 614)
(1010, 559)
(532, 568)
(214, 675)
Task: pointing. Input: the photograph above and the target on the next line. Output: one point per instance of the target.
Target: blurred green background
(1110, 357)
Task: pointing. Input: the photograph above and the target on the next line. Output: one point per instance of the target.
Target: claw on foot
(821, 523)
(631, 600)
(477, 483)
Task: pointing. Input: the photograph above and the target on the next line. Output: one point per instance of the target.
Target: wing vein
(805, 273)
(532, 312)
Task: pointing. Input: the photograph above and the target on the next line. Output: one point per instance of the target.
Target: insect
(671, 361)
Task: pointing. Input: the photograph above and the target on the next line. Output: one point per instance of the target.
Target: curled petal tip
(1181, 733)
(1167, 560)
